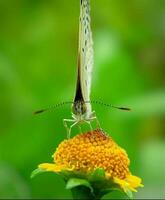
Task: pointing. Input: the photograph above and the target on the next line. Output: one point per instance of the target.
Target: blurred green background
(38, 56)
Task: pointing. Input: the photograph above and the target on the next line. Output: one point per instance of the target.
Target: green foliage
(37, 172)
(97, 183)
(94, 185)
(76, 182)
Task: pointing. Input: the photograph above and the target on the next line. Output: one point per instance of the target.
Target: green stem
(82, 192)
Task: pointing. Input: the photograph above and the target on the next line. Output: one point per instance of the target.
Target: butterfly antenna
(110, 105)
(51, 108)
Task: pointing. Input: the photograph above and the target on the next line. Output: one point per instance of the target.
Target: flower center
(92, 150)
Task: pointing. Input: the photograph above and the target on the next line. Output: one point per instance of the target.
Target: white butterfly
(81, 108)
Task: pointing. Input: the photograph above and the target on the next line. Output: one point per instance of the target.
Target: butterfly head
(79, 108)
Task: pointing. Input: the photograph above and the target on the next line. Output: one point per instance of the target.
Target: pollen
(87, 152)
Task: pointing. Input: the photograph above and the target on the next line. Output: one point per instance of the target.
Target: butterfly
(81, 107)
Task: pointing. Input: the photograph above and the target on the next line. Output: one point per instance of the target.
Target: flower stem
(82, 192)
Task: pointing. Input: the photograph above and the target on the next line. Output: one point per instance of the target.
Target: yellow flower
(87, 152)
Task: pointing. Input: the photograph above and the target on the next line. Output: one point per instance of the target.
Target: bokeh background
(38, 56)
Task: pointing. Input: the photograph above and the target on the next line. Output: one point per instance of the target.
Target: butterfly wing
(85, 52)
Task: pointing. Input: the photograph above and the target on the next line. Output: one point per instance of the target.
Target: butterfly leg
(89, 123)
(98, 123)
(80, 128)
(68, 129)
(74, 124)
(96, 119)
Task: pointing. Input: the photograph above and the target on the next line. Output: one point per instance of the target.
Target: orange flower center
(92, 150)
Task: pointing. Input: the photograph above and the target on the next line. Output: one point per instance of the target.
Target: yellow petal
(130, 183)
(134, 181)
(50, 167)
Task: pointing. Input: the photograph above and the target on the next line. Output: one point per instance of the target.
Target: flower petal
(134, 181)
(50, 167)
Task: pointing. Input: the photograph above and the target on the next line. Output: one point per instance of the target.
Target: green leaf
(36, 172)
(108, 190)
(75, 182)
(129, 194)
(97, 175)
